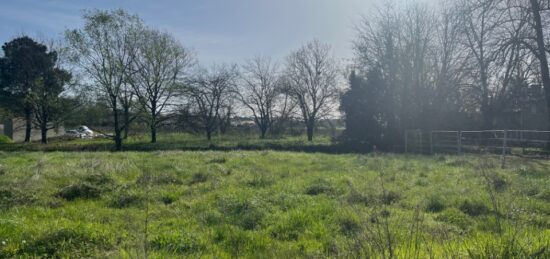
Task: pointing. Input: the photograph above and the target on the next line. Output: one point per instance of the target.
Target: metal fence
(531, 143)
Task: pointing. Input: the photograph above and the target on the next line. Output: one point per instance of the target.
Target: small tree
(259, 91)
(49, 107)
(159, 64)
(312, 75)
(209, 92)
(104, 50)
(24, 65)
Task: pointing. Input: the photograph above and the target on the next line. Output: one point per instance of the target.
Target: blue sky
(218, 30)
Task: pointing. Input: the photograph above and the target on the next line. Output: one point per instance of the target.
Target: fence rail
(529, 143)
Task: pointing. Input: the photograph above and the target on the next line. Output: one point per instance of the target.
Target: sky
(219, 31)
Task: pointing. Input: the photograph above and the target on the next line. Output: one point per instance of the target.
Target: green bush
(5, 139)
(435, 204)
(389, 197)
(11, 196)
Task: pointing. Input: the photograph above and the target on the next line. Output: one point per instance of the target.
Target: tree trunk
(263, 130)
(44, 134)
(541, 55)
(208, 135)
(118, 133)
(28, 126)
(126, 121)
(153, 134)
(310, 125)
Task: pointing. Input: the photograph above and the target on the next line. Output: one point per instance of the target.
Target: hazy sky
(218, 30)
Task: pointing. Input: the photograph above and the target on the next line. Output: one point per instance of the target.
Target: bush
(474, 208)
(5, 139)
(79, 190)
(435, 204)
(320, 186)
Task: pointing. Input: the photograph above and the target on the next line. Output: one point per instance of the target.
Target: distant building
(15, 129)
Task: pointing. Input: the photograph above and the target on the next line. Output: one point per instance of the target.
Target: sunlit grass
(268, 204)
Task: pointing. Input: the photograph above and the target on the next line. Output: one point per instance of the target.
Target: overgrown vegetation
(271, 204)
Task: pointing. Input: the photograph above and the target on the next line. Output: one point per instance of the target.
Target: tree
(104, 49)
(24, 65)
(50, 108)
(159, 65)
(260, 90)
(540, 52)
(362, 106)
(312, 74)
(209, 91)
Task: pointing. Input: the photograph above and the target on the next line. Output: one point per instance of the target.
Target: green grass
(180, 141)
(268, 204)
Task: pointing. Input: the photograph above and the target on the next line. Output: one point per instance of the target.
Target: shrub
(349, 226)
(474, 208)
(320, 186)
(5, 139)
(435, 204)
(79, 190)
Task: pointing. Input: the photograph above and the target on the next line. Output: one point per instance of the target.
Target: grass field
(264, 204)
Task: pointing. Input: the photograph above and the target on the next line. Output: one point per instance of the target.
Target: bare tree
(313, 78)
(259, 91)
(103, 49)
(209, 91)
(159, 64)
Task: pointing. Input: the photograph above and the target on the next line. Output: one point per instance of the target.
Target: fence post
(459, 141)
(504, 140)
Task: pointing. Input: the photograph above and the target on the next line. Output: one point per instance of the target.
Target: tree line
(139, 72)
(454, 65)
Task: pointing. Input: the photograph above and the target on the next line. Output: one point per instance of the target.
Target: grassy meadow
(271, 204)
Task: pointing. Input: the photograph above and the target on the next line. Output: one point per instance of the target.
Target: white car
(72, 134)
(85, 132)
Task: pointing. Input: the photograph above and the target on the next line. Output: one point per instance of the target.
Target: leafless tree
(103, 50)
(259, 91)
(209, 91)
(160, 63)
(313, 77)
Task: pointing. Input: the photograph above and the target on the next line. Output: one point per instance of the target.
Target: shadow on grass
(184, 145)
